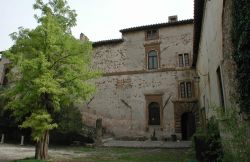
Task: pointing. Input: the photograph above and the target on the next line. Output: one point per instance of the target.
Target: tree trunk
(42, 147)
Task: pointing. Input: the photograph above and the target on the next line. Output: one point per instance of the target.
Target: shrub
(208, 143)
(235, 139)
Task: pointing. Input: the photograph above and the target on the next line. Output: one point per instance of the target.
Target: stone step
(148, 144)
(107, 139)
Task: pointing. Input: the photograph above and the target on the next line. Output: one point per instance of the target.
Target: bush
(207, 142)
(235, 139)
(71, 128)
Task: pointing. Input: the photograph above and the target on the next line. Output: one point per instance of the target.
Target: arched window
(152, 60)
(153, 113)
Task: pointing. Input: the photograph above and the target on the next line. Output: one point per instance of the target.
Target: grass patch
(84, 154)
(137, 155)
(30, 160)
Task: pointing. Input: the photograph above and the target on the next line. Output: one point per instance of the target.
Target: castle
(163, 79)
(149, 82)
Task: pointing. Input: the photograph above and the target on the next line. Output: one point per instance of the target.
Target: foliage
(50, 68)
(241, 41)
(208, 142)
(69, 120)
(38, 122)
(235, 136)
(6, 121)
(70, 127)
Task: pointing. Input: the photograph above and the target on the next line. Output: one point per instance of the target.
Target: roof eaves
(106, 42)
(198, 18)
(159, 25)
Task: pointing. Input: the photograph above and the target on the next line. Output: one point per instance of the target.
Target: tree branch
(64, 57)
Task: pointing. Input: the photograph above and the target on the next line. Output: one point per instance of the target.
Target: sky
(97, 19)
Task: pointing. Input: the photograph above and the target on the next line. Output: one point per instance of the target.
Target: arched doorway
(187, 125)
(154, 113)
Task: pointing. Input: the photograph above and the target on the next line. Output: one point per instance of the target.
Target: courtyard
(16, 153)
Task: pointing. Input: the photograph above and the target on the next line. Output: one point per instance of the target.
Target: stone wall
(3, 63)
(121, 96)
(210, 56)
(216, 52)
(229, 66)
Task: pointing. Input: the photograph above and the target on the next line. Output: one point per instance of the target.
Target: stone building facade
(148, 85)
(3, 70)
(163, 79)
(213, 55)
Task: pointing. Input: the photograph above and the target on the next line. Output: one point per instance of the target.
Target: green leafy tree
(50, 69)
(69, 120)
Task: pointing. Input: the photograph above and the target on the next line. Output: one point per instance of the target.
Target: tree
(69, 120)
(50, 69)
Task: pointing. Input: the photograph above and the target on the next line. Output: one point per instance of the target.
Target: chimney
(83, 37)
(173, 18)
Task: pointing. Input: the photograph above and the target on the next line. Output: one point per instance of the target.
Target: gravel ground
(10, 152)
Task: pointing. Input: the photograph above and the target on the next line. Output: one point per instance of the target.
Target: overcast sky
(98, 19)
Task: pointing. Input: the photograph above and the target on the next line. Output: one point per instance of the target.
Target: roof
(105, 42)
(139, 28)
(159, 25)
(198, 16)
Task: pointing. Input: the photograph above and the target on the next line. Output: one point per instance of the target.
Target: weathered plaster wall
(127, 80)
(107, 102)
(130, 55)
(210, 55)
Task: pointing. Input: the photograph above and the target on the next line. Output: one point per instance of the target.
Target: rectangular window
(152, 34)
(152, 60)
(189, 90)
(185, 89)
(182, 86)
(220, 87)
(186, 59)
(183, 60)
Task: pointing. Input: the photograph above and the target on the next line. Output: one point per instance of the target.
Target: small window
(185, 89)
(181, 64)
(186, 59)
(220, 88)
(154, 114)
(151, 34)
(5, 79)
(152, 60)
(183, 60)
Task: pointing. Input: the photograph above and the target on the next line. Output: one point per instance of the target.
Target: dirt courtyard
(10, 152)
